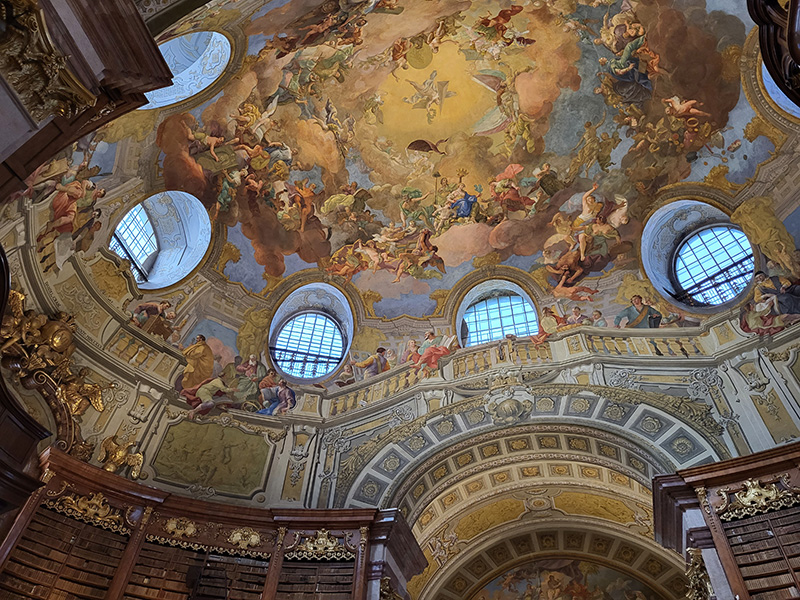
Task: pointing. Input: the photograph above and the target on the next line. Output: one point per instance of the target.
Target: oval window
(714, 265)
(308, 346)
(196, 61)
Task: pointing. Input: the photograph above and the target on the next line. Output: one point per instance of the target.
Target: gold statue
(78, 394)
(34, 338)
(20, 326)
(757, 218)
(114, 456)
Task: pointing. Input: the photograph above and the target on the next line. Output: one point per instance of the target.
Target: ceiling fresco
(395, 147)
(563, 578)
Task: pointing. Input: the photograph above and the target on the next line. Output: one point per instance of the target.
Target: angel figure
(209, 141)
(683, 109)
(304, 199)
(428, 94)
(230, 183)
(114, 456)
(20, 325)
(589, 149)
(495, 27)
(252, 121)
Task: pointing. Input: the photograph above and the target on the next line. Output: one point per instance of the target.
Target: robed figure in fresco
(249, 377)
(639, 315)
(200, 363)
(776, 293)
(277, 400)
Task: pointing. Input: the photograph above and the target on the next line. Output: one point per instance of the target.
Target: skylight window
(135, 241)
(308, 346)
(196, 60)
(496, 317)
(714, 265)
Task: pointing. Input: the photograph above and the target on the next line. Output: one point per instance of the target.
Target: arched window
(494, 317)
(713, 265)
(309, 345)
(135, 240)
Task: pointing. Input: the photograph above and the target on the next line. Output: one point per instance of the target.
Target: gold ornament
(114, 456)
(179, 527)
(323, 545)
(754, 497)
(31, 64)
(93, 509)
(244, 537)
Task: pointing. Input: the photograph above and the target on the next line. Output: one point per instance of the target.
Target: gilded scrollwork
(319, 546)
(245, 537)
(115, 455)
(180, 527)
(36, 70)
(699, 582)
(702, 496)
(755, 497)
(198, 547)
(38, 351)
(93, 508)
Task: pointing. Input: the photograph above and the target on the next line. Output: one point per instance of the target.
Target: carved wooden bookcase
(751, 506)
(90, 534)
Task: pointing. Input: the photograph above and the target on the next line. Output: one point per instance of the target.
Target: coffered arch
(458, 569)
(518, 458)
(639, 434)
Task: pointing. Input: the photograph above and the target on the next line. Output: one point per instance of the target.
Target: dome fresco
(562, 578)
(401, 149)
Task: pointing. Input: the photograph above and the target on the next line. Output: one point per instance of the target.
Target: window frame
(686, 297)
(140, 267)
(529, 306)
(273, 346)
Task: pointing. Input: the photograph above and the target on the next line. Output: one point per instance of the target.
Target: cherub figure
(683, 109)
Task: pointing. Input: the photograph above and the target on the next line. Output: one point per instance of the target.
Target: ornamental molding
(321, 545)
(694, 413)
(198, 547)
(93, 509)
(754, 497)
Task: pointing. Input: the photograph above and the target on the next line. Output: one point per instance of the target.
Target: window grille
(135, 240)
(493, 318)
(308, 346)
(714, 265)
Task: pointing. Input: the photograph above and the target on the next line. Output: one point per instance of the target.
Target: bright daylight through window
(135, 241)
(494, 318)
(309, 345)
(714, 265)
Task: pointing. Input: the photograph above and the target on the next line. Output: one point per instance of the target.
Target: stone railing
(566, 348)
